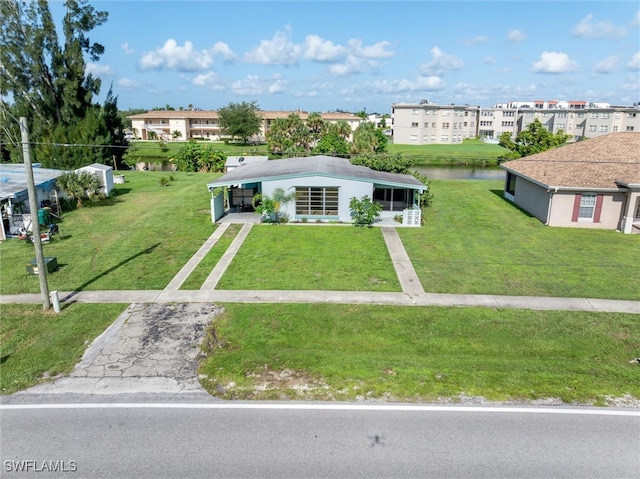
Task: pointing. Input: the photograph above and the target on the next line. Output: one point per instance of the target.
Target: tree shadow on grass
(110, 270)
(500, 194)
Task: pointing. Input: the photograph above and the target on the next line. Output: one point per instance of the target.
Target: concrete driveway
(150, 348)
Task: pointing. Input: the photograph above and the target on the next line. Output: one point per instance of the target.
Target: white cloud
(127, 49)
(98, 70)
(422, 83)
(636, 20)
(515, 36)
(128, 84)
(590, 28)
(350, 66)
(222, 49)
(634, 63)
(472, 42)
(186, 58)
(277, 51)
(255, 85)
(440, 62)
(205, 79)
(377, 50)
(554, 62)
(489, 61)
(606, 65)
(317, 49)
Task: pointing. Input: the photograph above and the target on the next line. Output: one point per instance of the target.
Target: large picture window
(316, 201)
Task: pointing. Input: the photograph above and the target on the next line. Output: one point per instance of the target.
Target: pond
(462, 172)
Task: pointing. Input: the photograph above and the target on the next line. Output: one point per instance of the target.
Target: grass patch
(153, 152)
(475, 242)
(137, 239)
(345, 352)
(36, 345)
(335, 258)
(469, 152)
(199, 275)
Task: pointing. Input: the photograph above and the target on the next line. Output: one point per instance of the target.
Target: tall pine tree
(44, 79)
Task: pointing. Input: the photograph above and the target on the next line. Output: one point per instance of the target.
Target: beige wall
(424, 124)
(562, 211)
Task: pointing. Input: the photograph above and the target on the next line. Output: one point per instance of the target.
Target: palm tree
(80, 186)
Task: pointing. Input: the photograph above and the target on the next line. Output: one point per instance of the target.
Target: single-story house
(235, 161)
(14, 196)
(324, 186)
(594, 183)
(104, 172)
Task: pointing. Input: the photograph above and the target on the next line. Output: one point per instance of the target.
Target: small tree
(80, 186)
(534, 139)
(364, 211)
(176, 134)
(269, 207)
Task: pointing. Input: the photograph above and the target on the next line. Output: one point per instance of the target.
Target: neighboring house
(593, 183)
(14, 197)
(205, 124)
(324, 186)
(236, 161)
(104, 172)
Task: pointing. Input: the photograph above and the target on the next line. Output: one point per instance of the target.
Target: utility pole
(35, 222)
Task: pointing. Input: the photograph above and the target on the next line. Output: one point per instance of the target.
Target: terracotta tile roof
(213, 114)
(593, 163)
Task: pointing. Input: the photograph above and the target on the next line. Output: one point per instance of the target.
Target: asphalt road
(298, 441)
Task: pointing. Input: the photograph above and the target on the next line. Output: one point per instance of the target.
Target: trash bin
(44, 217)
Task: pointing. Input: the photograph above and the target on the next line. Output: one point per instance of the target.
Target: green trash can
(44, 217)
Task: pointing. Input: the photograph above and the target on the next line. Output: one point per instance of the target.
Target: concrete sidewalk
(338, 297)
(412, 293)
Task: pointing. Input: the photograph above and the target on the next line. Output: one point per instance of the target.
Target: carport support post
(35, 222)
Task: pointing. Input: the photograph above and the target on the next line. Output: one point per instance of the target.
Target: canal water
(461, 172)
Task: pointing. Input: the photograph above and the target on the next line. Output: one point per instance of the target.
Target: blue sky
(328, 55)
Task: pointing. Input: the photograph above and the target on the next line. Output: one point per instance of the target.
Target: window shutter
(576, 207)
(596, 213)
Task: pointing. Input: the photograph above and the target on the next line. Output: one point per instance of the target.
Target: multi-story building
(205, 124)
(426, 123)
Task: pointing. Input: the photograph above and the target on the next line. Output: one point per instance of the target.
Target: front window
(587, 206)
(317, 201)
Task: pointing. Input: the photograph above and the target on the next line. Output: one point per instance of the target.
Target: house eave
(243, 181)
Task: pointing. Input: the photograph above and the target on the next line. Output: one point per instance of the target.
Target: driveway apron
(150, 348)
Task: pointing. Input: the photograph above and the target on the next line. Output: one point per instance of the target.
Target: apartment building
(183, 125)
(427, 123)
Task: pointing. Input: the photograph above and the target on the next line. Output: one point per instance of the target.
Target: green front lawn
(475, 242)
(36, 345)
(345, 352)
(310, 257)
(138, 239)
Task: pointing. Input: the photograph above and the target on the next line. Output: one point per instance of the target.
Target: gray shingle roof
(314, 166)
(594, 163)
